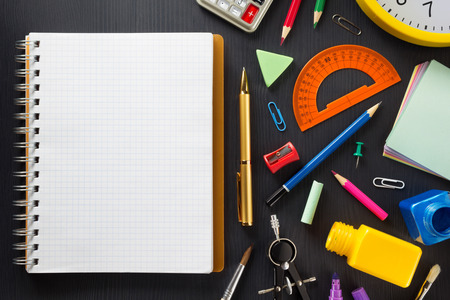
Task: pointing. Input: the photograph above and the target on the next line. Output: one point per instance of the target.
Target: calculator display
(245, 14)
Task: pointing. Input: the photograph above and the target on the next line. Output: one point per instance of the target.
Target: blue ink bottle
(427, 216)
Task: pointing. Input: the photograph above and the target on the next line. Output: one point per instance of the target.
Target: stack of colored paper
(421, 133)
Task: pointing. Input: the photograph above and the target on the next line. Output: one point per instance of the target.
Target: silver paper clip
(280, 117)
(388, 183)
(346, 24)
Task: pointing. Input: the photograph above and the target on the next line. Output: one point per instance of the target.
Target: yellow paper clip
(388, 183)
(346, 24)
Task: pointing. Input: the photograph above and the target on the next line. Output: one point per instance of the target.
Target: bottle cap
(360, 294)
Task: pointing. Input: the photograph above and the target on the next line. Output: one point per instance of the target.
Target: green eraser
(272, 65)
(311, 203)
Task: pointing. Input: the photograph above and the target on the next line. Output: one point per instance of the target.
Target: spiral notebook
(123, 153)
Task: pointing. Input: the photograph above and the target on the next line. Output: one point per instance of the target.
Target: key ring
(282, 250)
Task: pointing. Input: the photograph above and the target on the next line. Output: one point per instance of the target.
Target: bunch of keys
(282, 253)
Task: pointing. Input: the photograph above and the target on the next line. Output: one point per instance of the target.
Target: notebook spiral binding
(30, 159)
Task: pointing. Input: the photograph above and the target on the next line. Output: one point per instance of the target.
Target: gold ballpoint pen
(244, 177)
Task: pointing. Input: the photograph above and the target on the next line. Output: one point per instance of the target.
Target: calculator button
(241, 3)
(235, 11)
(224, 4)
(260, 2)
(250, 14)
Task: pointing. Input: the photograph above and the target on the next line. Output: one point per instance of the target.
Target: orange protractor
(331, 60)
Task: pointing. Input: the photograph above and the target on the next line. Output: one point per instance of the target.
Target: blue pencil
(338, 141)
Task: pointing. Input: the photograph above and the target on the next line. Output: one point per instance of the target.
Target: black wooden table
(19, 17)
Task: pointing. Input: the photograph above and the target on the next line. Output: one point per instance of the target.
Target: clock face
(425, 15)
(422, 22)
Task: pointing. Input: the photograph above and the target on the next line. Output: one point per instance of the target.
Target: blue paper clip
(274, 117)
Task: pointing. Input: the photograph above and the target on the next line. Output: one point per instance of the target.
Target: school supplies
(375, 252)
(121, 173)
(272, 65)
(431, 277)
(278, 118)
(346, 24)
(244, 14)
(335, 291)
(423, 23)
(361, 197)
(388, 183)
(311, 203)
(244, 176)
(322, 155)
(358, 153)
(420, 136)
(318, 10)
(427, 216)
(329, 61)
(282, 253)
(360, 294)
(290, 18)
(281, 157)
(237, 275)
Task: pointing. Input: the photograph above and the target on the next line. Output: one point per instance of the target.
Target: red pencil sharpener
(281, 157)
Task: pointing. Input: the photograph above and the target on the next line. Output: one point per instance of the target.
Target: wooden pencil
(292, 13)
(318, 10)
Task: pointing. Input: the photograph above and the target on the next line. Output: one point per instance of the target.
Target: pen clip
(274, 117)
(238, 188)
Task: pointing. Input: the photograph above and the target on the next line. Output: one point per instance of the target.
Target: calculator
(245, 14)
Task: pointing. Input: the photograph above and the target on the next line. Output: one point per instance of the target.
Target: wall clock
(422, 22)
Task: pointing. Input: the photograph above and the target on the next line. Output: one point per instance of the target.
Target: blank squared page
(125, 156)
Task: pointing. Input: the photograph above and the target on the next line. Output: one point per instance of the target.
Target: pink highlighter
(366, 201)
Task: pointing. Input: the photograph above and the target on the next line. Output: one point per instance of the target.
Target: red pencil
(292, 13)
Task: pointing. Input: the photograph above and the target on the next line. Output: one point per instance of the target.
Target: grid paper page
(125, 156)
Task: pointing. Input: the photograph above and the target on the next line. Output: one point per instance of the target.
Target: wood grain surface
(19, 17)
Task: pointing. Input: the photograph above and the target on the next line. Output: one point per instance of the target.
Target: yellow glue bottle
(375, 252)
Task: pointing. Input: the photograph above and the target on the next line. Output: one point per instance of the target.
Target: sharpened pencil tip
(334, 173)
(282, 40)
(315, 24)
(373, 109)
